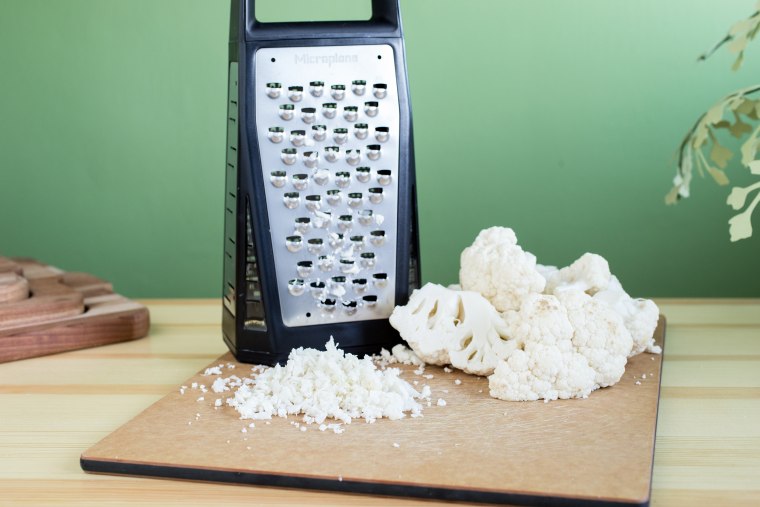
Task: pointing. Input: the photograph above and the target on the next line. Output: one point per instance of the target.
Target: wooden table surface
(52, 408)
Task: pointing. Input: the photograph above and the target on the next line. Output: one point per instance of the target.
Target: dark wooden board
(44, 310)
(597, 451)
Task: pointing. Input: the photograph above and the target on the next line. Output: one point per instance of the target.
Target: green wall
(112, 124)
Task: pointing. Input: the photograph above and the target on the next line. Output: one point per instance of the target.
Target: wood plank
(116, 491)
(697, 417)
(187, 312)
(693, 372)
(744, 312)
(712, 340)
(79, 370)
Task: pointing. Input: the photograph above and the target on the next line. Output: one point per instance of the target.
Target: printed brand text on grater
(326, 59)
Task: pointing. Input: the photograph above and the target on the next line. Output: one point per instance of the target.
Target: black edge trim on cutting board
(345, 486)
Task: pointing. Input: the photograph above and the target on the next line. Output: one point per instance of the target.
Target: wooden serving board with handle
(44, 310)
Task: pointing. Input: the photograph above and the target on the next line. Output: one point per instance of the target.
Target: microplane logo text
(327, 59)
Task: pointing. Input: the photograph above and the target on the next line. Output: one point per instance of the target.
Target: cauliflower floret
(460, 328)
(599, 334)
(484, 338)
(589, 273)
(496, 267)
(546, 271)
(639, 315)
(544, 364)
(428, 322)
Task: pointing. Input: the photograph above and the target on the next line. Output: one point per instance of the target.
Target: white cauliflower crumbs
(200, 399)
(446, 369)
(218, 402)
(457, 382)
(182, 391)
(303, 428)
(644, 376)
(194, 385)
(220, 385)
(399, 354)
(638, 382)
(441, 402)
(214, 370)
(396, 445)
(326, 384)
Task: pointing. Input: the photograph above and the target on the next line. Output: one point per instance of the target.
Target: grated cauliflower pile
(537, 332)
(328, 384)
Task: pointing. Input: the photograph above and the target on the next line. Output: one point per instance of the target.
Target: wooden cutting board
(591, 452)
(44, 310)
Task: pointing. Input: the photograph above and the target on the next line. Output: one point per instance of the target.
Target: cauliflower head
(496, 267)
(639, 315)
(461, 328)
(599, 335)
(544, 364)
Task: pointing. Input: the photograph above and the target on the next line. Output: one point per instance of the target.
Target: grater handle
(385, 22)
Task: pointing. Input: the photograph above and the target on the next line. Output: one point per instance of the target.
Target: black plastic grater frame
(253, 326)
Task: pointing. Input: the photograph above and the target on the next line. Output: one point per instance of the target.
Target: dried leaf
(739, 128)
(701, 163)
(715, 113)
(739, 44)
(741, 26)
(718, 175)
(749, 149)
(745, 105)
(700, 136)
(754, 167)
(740, 226)
(737, 198)
(672, 196)
(738, 62)
(720, 155)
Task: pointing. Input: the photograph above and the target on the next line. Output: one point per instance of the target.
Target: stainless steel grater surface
(328, 123)
(320, 203)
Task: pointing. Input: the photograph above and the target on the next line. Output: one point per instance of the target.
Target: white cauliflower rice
(322, 385)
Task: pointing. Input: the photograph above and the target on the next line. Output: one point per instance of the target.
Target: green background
(557, 118)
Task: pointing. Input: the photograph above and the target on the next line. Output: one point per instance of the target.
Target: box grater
(320, 201)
